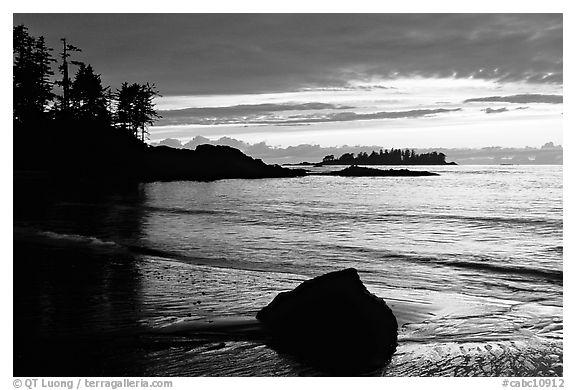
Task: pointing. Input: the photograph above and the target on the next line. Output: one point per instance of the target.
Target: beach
(470, 263)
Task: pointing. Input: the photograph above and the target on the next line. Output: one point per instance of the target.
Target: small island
(356, 171)
(384, 157)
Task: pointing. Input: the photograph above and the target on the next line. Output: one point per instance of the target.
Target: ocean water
(469, 261)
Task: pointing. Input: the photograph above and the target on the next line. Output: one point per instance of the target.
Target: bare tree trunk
(65, 86)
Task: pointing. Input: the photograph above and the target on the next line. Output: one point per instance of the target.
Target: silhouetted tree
(347, 158)
(32, 87)
(83, 103)
(135, 108)
(63, 68)
(145, 112)
(406, 156)
(388, 157)
(88, 99)
(441, 158)
(43, 60)
(125, 101)
(22, 71)
(362, 158)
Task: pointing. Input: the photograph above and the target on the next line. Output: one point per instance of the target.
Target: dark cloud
(522, 99)
(250, 114)
(176, 116)
(352, 116)
(495, 110)
(242, 53)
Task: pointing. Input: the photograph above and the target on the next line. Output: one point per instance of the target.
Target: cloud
(247, 109)
(349, 87)
(221, 115)
(172, 142)
(199, 140)
(523, 99)
(264, 113)
(197, 54)
(495, 110)
(352, 116)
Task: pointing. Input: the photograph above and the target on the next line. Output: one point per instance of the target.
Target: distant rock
(356, 171)
(334, 323)
(298, 164)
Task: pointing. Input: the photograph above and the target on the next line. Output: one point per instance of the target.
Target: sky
(397, 80)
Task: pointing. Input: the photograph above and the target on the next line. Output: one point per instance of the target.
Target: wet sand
(100, 311)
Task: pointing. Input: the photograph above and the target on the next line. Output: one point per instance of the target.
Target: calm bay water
(470, 262)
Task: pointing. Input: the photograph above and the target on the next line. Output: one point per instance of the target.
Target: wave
(375, 217)
(557, 249)
(176, 210)
(505, 220)
(490, 265)
(236, 264)
(78, 241)
(162, 209)
(63, 239)
(551, 274)
(75, 240)
(88, 240)
(331, 215)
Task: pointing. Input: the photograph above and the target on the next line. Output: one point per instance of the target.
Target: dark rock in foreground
(356, 171)
(334, 323)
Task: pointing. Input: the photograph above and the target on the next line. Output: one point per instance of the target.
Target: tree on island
(387, 157)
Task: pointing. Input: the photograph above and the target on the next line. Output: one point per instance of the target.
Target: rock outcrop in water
(334, 323)
(356, 171)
